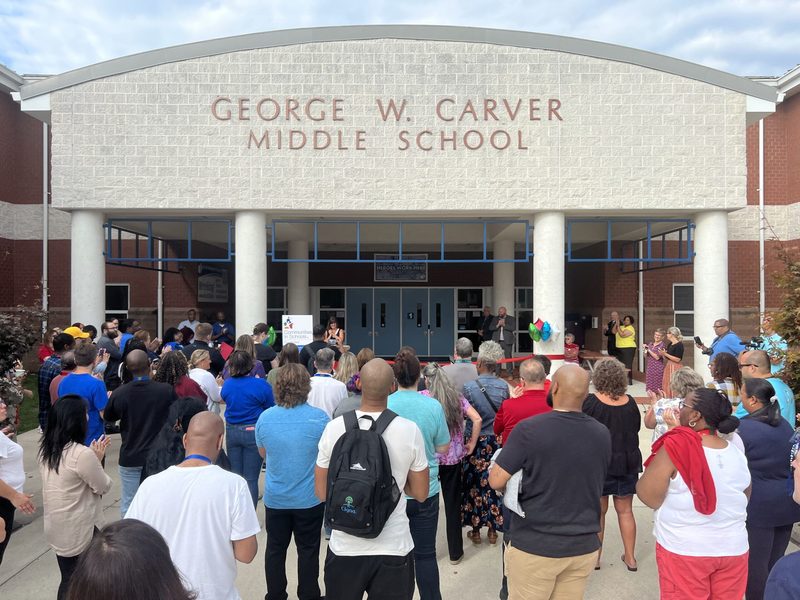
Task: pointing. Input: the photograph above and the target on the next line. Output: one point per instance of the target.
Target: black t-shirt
(266, 355)
(309, 351)
(217, 362)
(141, 407)
(675, 349)
(564, 458)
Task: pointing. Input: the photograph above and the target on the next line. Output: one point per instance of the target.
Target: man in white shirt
(205, 514)
(190, 321)
(326, 392)
(382, 566)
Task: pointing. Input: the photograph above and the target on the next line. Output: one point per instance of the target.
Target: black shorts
(620, 485)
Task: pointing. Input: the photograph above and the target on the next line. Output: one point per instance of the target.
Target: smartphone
(697, 341)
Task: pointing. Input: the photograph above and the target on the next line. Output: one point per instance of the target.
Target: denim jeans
(423, 518)
(129, 479)
(244, 456)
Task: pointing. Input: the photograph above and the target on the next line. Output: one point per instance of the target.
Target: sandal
(630, 568)
(474, 536)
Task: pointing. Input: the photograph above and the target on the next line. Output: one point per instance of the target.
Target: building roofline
(289, 37)
(9, 80)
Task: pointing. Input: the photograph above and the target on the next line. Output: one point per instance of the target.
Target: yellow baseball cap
(76, 333)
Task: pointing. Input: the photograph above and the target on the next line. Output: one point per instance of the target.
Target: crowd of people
(365, 452)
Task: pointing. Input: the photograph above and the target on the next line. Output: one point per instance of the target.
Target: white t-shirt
(406, 453)
(326, 393)
(209, 384)
(187, 323)
(12, 472)
(199, 511)
(682, 530)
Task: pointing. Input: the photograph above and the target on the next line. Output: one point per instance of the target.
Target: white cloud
(748, 38)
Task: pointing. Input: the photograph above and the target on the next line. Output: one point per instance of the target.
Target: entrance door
(359, 319)
(415, 319)
(440, 335)
(386, 320)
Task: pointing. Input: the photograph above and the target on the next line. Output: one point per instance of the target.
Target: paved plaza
(29, 570)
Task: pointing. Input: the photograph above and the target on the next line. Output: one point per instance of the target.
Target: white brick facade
(631, 138)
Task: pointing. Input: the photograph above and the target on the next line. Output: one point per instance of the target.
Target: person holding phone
(654, 373)
(725, 341)
(672, 355)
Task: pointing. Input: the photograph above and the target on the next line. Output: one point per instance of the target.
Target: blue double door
(386, 318)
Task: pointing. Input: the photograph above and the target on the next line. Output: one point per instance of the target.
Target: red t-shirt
(514, 410)
(571, 353)
(44, 353)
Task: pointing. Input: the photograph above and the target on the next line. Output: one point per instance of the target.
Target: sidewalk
(29, 570)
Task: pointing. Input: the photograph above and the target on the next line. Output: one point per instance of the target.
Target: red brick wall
(20, 154)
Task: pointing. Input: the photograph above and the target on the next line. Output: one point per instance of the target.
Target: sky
(753, 37)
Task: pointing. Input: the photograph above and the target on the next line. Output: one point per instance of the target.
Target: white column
(710, 280)
(88, 269)
(548, 280)
(298, 301)
(251, 270)
(503, 291)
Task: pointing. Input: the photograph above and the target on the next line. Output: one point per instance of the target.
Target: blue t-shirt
(94, 392)
(729, 342)
(785, 398)
(246, 398)
(290, 436)
(783, 582)
(428, 414)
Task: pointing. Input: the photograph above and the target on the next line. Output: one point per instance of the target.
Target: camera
(754, 343)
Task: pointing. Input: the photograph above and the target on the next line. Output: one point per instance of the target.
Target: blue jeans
(244, 456)
(423, 518)
(129, 478)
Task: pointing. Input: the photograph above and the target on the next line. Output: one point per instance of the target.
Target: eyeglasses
(682, 404)
(743, 365)
(718, 326)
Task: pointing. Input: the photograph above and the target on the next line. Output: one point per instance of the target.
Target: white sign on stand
(298, 329)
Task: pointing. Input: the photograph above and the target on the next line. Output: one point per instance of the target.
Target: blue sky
(755, 37)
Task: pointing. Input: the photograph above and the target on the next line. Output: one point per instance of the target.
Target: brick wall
(20, 155)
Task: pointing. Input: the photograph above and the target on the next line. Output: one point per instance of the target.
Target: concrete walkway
(29, 570)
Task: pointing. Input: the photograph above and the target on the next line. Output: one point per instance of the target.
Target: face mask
(550, 398)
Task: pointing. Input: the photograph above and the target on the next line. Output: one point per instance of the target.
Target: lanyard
(198, 457)
(322, 375)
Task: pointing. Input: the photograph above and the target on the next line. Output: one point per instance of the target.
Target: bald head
(377, 379)
(204, 435)
(570, 387)
(760, 359)
(138, 363)
(532, 373)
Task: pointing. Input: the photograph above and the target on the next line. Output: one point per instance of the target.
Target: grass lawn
(29, 409)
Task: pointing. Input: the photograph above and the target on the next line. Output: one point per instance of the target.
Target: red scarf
(685, 450)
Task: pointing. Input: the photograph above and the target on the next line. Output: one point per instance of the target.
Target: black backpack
(362, 492)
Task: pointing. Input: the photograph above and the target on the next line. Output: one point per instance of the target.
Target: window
(470, 313)
(118, 300)
(331, 304)
(524, 318)
(683, 308)
(276, 307)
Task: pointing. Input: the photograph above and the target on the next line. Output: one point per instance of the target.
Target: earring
(692, 423)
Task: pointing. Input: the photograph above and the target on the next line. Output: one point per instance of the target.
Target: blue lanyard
(322, 375)
(198, 457)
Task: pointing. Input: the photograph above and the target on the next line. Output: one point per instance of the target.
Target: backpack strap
(350, 420)
(383, 421)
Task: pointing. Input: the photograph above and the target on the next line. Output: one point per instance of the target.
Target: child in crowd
(571, 349)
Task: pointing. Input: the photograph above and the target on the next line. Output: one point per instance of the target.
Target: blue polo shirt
(428, 414)
(289, 478)
(94, 392)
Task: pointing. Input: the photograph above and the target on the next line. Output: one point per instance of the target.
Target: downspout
(762, 225)
(640, 314)
(160, 291)
(45, 226)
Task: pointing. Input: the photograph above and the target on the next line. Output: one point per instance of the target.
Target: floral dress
(654, 375)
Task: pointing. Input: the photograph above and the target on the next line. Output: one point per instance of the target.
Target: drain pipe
(160, 291)
(45, 226)
(762, 225)
(640, 314)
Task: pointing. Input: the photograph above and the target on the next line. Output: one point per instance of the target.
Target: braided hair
(172, 367)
